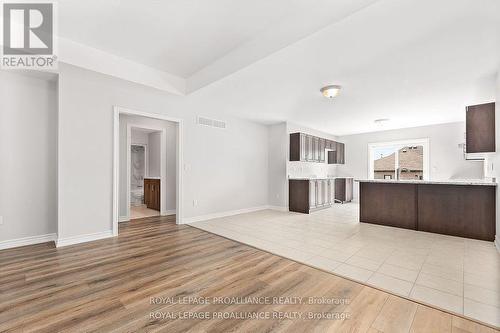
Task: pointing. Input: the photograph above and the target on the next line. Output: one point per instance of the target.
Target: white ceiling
(184, 36)
(416, 62)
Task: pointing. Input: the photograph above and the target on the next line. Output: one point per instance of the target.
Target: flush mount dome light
(331, 90)
(381, 121)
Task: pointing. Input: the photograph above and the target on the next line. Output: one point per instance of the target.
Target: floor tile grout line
(357, 240)
(453, 313)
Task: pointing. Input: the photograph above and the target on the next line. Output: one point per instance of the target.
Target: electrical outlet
(195, 203)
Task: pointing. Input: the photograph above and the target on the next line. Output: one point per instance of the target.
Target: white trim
(11, 243)
(83, 238)
(169, 212)
(123, 219)
(497, 243)
(279, 208)
(425, 142)
(117, 110)
(199, 218)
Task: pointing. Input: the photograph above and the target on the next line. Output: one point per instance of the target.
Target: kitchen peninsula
(456, 208)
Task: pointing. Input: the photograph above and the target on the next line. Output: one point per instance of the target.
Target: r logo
(28, 28)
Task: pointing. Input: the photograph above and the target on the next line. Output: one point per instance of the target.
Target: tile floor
(456, 274)
(138, 212)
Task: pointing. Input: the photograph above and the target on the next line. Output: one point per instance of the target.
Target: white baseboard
(497, 242)
(187, 220)
(169, 212)
(123, 219)
(278, 208)
(27, 241)
(83, 238)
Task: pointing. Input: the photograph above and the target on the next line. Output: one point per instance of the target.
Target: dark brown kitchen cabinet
(307, 195)
(343, 189)
(448, 209)
(340, 153)
(297, 147)
(336, 156)
(315, 149)
(480, 128)
(457, 210)
(393, 205)
(322, 148)
(308, 148)
(332, 157)
(152, 193)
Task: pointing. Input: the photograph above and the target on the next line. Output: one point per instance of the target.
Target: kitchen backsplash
(307, 169)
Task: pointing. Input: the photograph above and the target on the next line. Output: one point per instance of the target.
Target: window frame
(424, 142)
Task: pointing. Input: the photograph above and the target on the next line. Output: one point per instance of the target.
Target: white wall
(496, 157)
(155, 153)
(138, 137)
(223, 170)
(446, 158)
(278, 158)
(28, 160)
(157, 157)
(497, 121)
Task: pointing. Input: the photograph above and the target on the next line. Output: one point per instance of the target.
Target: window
(405, 160)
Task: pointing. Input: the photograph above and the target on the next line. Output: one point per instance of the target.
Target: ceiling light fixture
(331, 90)
(381, 121)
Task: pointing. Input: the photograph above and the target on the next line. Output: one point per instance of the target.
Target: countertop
(440, 182)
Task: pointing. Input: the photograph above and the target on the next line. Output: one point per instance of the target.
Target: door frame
(163, 165)
(117, 110)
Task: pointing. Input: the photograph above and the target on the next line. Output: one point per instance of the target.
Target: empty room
(250, 166)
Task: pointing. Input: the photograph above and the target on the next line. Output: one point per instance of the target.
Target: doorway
(147, 164)
(144, 165)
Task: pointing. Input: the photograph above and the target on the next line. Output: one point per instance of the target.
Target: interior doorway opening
(144, 175)
(147, 160)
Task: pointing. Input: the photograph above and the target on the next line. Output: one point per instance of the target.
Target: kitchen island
(464, 208)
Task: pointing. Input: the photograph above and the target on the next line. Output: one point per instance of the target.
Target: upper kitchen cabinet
(340, 153)
(308, 148)
(480, 128)
(322, 147)
(337, 154)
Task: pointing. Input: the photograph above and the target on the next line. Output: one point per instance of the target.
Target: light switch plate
(1, 220)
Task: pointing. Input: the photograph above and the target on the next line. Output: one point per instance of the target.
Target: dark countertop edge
(311, 178)
(427, 182)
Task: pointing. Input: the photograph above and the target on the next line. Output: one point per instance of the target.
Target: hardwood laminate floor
(158, 276)
(455, 274)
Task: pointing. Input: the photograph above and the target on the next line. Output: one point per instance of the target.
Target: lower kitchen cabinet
(306, 195)
(343, 189)
(456, 210)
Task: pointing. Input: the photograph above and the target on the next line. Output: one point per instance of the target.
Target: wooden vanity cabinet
(152, 193)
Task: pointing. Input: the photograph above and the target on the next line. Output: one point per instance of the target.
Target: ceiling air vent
(211, 122)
